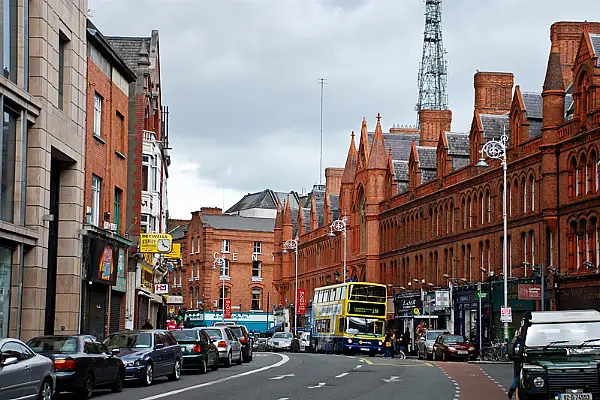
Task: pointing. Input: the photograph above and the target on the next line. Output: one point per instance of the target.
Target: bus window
(320, 296)
(338, 293)
(364, 326)
(343, 292)
(326, 295)
(342, 325)
(316, 297)
(375, 294)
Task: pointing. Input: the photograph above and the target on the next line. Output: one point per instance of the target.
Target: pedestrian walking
(393, 339)
(516, 364)
(171, 325)
(188, 323)
(387, 342)
(147, 325)
(406, 340)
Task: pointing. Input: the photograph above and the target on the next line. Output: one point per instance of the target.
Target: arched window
(452, 216)
(524, 185)
(572, 246)
(469, 212)
(581, 175)
(363, 220)
(581, 243)
(488, 205)
(223, 294)
(584, 95)
(509, 199)
(593, 171)
(532, 192)
(572, 178)
(464, 213)
(191, 298)
(482, 208)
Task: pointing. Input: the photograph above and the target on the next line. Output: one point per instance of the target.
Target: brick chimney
(433, 122)
(407, 130)
(211, 211)
(493, 92)
(566, 36)
(333, 180)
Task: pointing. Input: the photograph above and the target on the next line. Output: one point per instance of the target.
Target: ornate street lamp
(292, 244)
(221, 262)
(496, 149)
(339, 225)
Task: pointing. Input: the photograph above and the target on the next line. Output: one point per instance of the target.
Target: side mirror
(159, 346)
(115, 352)
(9, 361)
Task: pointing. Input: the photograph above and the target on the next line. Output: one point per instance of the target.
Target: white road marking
(341, 375)
(282, 376)
(284, 398)
(320, 385)
(392, 379)
(361, 360)
(358, 367)
(284, 359)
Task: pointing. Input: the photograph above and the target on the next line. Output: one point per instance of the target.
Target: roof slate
(459, 162)
(267, 199)
(427, 157)
(458, 144)
(595, 39)
(239, 223)
(179, 231)
(400, 170)
(493, 125)
(533, 105)
(400, 144)
(129, 48)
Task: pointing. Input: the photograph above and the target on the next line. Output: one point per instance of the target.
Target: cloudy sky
(241, 77)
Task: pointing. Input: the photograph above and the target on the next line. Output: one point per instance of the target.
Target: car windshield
(563, 334)
(185, 335)
(53, 344)
(454, 339)
(238, 331)
(364, 326)
(282, 335)
(215, 334)
(129, 341)
(433, 335)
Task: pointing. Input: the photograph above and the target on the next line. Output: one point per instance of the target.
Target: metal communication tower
(433, 68)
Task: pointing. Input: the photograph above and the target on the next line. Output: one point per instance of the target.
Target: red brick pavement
(472, 382)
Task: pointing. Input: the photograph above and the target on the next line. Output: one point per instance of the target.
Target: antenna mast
(322, 83)
(433, 76)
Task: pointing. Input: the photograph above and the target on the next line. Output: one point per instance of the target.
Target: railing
(149, 136)
(565, 130)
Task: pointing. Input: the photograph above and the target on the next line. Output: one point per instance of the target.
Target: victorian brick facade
(421, 214)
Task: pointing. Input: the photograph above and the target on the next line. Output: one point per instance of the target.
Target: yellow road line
(367, 361)
(429, 364)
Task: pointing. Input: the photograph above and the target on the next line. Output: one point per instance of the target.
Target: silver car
(24, 374)
(280, 341)
(425, 344)
(227, 343)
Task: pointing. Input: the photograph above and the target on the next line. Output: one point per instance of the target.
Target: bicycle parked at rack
(497, 351)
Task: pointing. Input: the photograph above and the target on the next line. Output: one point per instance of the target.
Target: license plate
(463, 352)
(186, 349)
(364, 349)
(575, 396)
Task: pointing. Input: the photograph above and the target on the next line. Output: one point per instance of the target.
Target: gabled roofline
(94, 35)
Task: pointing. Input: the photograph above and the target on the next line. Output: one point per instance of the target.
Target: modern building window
(97, 115)
(225, 268)
(256, 299)
(147, 224)
(145, 172)
(96, 188)
(8, 36)
(223, 294)
(258, 247)
(117, 208)
(62, 44)
(256, 269)
(7, 179)
(225, 246)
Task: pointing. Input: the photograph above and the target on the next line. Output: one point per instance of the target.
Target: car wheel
(118, 385)
(45, 390)
(149, 375)
(176, 371)
(444, 356)
(203, 367)
(88, 387)
(433, 356)
(215, 366)
(228, 362)
(428, 356)
(240, 360)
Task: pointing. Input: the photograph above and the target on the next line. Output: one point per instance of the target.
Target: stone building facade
(246, 243)
(42, 97)
(105, 198)
(422, 216)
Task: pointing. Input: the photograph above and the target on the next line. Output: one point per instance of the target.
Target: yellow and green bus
(349, 318)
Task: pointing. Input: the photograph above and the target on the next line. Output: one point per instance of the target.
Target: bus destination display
(366, 309)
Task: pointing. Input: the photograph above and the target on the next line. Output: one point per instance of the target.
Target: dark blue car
(147, 354)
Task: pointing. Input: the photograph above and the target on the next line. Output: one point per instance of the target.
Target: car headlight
(135, 363)
(538, 382)
(451, 348)
(380, 343)
(350, 341)
(471, 348)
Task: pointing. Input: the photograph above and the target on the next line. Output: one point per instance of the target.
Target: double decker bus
(349, 318)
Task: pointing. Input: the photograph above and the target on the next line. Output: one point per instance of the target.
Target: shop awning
(274, 328)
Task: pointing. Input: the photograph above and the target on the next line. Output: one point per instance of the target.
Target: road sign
(416, 311)
(301, 301)
(506, 314)
(161, 288)
(227, 308)
(175, 252)
(155, 243)
(442, 298)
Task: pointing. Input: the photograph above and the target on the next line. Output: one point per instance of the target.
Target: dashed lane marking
(342, 375)
(320, 385)
(359, 366)
(284, 359)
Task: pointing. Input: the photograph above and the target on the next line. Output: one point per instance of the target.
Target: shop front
(117, 298)
(523, 295)
(409, 314)
(581, 294)
(469, 318)
(101, 256)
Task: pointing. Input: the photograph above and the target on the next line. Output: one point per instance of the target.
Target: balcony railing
(149, 136)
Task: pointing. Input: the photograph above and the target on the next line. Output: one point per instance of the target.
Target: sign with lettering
(530, 292)
(227, 307)
(155, 243)
(121, 283)
(301, 301)
(442, 298)
(579, 298)
(105, 269)
(175, 252)
(408, 303)
(174, 299)
(161, 288)
(366, 309)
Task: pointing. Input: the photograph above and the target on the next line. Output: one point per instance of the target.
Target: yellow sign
(175, 252)
(417, 311)
(155, 243)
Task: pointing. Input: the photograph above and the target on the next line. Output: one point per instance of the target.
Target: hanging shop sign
(155, 243)
(175, 252)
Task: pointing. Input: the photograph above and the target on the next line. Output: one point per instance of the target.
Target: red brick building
(421, 214)
(246, 243)
(105, 194)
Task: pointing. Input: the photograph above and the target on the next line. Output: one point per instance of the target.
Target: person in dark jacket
(188, 323)
(516, 364)
(147, 325)
(406, 340)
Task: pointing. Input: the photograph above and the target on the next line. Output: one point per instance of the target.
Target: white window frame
(198, 245)
(192, 271)
(224, 268)
(97, 115)
(259, 293)
(259, 247)
(147, 163)
(259, 263)
(154, 174)
(144, 221)
(96, 199)
(225, 246)
(192, 246)
(198, 272)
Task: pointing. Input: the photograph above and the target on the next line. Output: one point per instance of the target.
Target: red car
(453, 347)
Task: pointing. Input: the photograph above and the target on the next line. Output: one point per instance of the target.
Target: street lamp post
(292, 244)
(220, 261)
(496, 149)
(339, 225)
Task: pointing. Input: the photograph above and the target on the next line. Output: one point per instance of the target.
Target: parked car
(81, 363)
(456, 347)
(281, 341)
(227, 343)
(147, 354)
(245, 340)
(24, 374)
(305, 341)
(425, 344)
(199, 352)
(260, 344)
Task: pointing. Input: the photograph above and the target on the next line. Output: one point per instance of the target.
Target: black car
(245, 339)
(198, 350)
(147, 354)
(81, 363)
